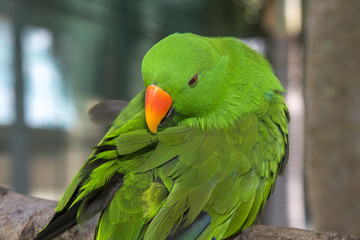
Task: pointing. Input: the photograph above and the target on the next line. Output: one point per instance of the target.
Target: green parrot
(195, 155)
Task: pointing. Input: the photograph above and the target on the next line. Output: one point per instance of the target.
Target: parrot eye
(193, 81)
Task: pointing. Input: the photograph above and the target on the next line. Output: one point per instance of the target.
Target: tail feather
(193, 231)
(59, 224)
(82, 211)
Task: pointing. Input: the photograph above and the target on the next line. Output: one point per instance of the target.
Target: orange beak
(157, 104)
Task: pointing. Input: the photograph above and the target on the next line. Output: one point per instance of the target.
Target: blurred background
(58, 58)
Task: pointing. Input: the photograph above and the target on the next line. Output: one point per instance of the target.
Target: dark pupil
(192, 81)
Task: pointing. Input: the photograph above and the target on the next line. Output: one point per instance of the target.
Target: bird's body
(194, 156)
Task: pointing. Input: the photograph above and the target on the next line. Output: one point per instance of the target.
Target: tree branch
(22, 216)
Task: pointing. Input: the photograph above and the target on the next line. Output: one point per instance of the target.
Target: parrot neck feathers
(232, 110)
(228, 113)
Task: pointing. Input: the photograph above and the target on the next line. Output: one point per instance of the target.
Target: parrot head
(208, 82)
(182, 72)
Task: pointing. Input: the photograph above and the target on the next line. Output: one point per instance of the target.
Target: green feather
(133, 141)
(154, 198)
(97, 179)
(210, 168)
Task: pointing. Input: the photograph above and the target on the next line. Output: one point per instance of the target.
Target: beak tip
(153, 130)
